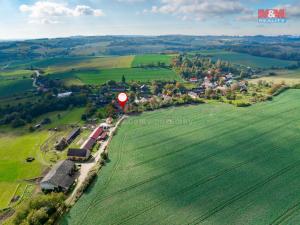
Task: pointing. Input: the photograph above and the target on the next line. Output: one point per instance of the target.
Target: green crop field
(131, 74)
(246, 59)
(151, 59)
(210, 164)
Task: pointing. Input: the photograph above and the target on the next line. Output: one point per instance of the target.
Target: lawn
(14, 149)
(131, 74)
(151, 59)
(210, 164)
(246, 59)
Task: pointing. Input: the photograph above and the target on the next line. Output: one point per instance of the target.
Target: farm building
(78, 154)
(61, 144)
(60, 177)
(96, 133)
(103, 136)
(74, 133)
(64, 95)
(89, 144)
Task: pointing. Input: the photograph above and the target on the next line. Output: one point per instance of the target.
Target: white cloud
(292, 11)
(200, 9)
(49, 12)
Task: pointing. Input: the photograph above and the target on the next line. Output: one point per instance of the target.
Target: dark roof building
(74, 133)
(60, 177)
(78, 154)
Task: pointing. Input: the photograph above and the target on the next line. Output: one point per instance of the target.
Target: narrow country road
(87, 166)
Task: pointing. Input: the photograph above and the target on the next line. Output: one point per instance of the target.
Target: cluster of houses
(224, 81)
(62, 176)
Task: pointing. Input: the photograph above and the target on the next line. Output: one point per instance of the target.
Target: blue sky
(59, 18)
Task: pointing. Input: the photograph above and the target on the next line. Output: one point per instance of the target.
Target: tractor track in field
(191, 187)
(171, 139)
(244, 193)
(185, 148)
(200, 119)
(187, 189)
(194, 162)
(286, 215)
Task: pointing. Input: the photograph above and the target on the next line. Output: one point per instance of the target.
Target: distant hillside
(282, 47)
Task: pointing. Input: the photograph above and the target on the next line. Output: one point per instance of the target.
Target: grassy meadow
(14, 149)
(290, 77)
(210, 164)
(246, 59)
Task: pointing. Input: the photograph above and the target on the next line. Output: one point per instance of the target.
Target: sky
(28, 19)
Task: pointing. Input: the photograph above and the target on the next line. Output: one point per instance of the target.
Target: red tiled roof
(103, 136)
(96, 133)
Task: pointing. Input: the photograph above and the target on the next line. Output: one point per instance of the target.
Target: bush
(104, 155)
(41, 209)
(242, 104)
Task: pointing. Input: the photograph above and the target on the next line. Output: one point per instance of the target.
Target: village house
(199, 90)
(144, 89)
(74, 133)
(193, 80)
(193, 95)
(78, 154)
(141, 100)
(60, 178)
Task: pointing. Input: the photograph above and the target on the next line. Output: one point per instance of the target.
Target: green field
(131, 74)
(151, 59)
(246, 59)
(11, 87)
(210, 164)
(14, 149)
